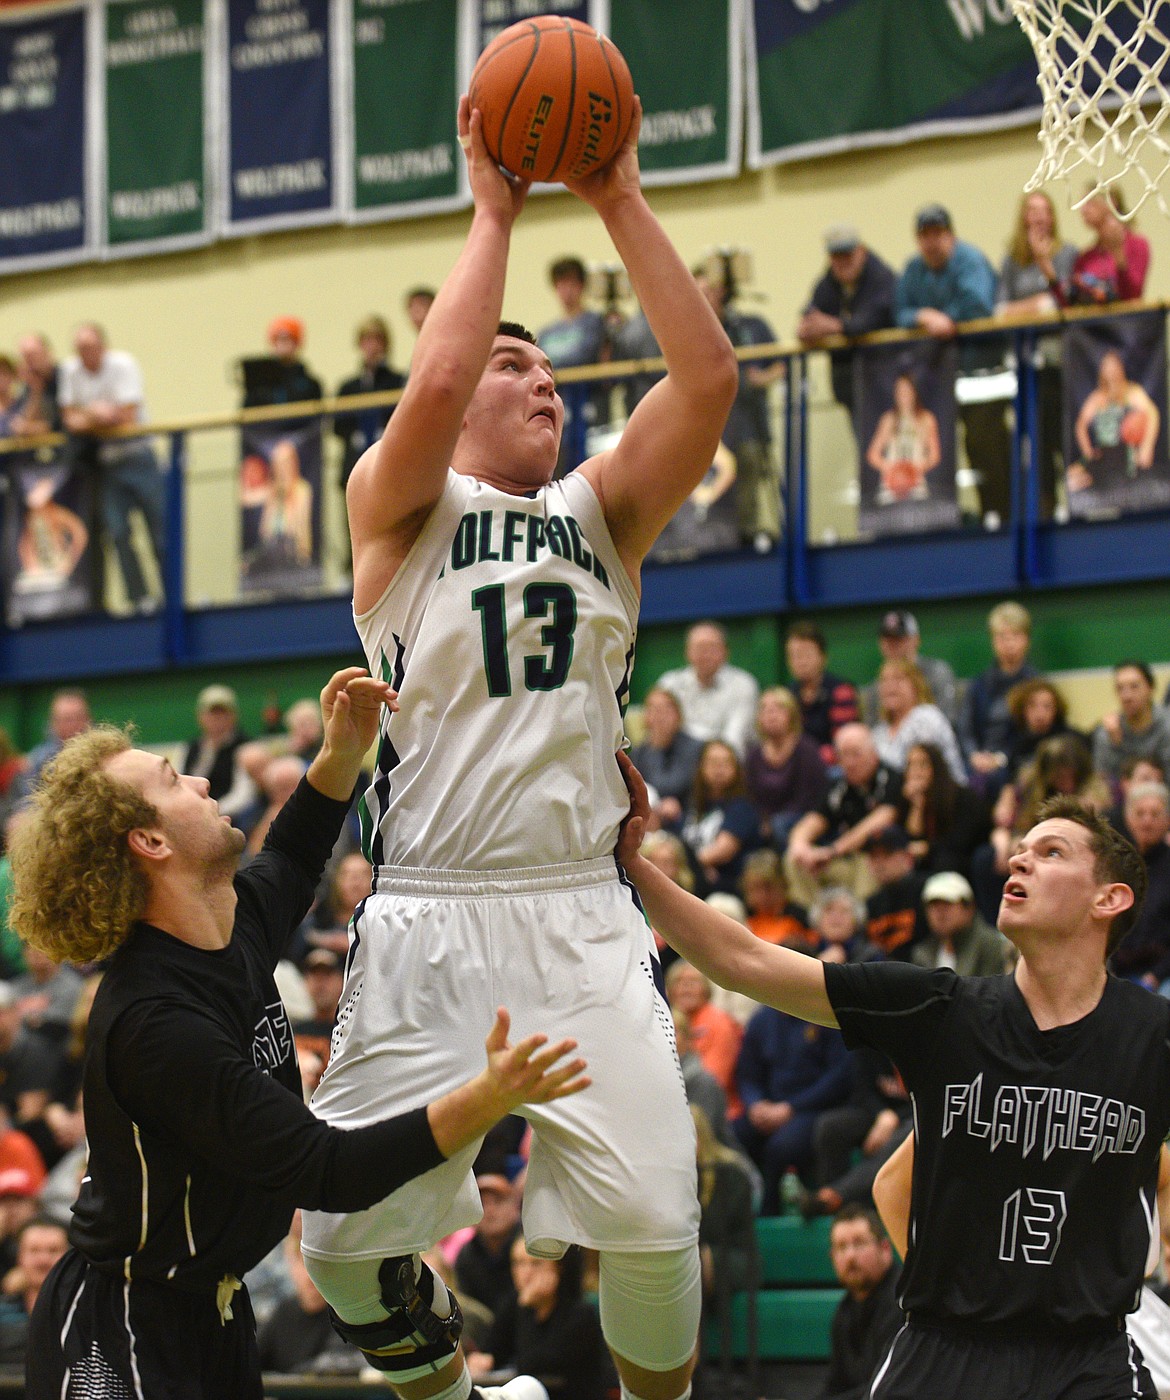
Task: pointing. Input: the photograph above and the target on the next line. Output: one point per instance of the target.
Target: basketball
(1133, 427)
(556, 98)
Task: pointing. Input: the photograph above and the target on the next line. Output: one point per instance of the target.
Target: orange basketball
(556, 98)
(1133, 427)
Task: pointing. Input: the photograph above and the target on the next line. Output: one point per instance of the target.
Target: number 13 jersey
(508, 632)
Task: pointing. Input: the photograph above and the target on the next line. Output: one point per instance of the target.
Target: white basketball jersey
(508, 633)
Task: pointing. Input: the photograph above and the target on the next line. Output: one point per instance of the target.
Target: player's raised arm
(670, 440)
(398, 480)
(719, 947)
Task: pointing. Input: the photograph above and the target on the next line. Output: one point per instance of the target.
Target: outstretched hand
(492, 190)
(632, 831)
(531, 1071)
(351, 710)
(619, 176)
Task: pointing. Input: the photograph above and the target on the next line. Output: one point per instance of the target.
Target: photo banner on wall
(406, 160)
(904, 422)
(1115, 435)
(48, 561)
(280, 507)
(156, 149)
(280, 170)
(686, 62)
(492, 17)
(44, 217)
(829, 77)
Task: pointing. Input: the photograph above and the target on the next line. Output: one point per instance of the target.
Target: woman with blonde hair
(784, 771)
(727, 1226)
(909, 716)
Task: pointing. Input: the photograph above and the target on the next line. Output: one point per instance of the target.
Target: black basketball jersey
(1036, 1155)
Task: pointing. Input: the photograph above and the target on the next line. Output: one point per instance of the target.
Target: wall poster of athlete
(280, 505)
(48, 563)
(1115, 438)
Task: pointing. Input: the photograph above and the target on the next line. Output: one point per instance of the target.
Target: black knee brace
(413, 1338)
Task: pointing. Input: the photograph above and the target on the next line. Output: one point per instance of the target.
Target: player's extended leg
(401, 1317)
(649, 1304)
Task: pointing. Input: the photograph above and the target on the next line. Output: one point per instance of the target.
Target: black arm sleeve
(178, 1075)
(276, 889)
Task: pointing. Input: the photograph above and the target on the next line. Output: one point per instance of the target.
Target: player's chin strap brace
(413, 1338)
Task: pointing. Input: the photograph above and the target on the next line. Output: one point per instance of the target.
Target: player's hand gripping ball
(556, 98)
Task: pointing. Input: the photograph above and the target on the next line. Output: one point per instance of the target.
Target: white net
(1106, 104)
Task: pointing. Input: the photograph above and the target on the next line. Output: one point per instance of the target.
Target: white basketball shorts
(566, 950)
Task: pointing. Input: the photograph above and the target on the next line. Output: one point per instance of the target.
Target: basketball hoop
(1106, 103)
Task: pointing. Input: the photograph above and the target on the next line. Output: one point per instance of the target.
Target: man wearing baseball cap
(960, 938)
(898, 640)
(853, 297)
(213, 754)
(947, 282)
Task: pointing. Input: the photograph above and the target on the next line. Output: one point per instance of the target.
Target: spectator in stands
(1134, 770)
(29, 1065)
(323, 971)
(986, 725)
(704, 1091)
(785, 773)
(909, 717)
(899, 640)
(483, 1266)
(946, 283)
(1038, 711)
(36, 410)
(718, 700)
(852, 1142)
(277, 785)
(9, 379)
(19, 1203)
(826, 845)
(302, 722)
(418, 301)
(1114, 266)
(787, 1073)
(771, 914)
(837, 919)
(299, 1335)
(855, 296)
(1143, 955)
(281, 377)
(62, 1127)
(1138, 728)
(40, 1244)
(727, 1224)
(748, 433)
(664, 850)
(215, 753)
(826, 701)
(362, 427)
(1037, 267)
(721, 826)
(959, 937)
(68, 715)
(577, 337)
(100, 389)
(549, 1331)
(715, 1035)
(893, 918)
(47, 994)
(946, 823)
(668, 757)
(868, 1317)
(349, 883)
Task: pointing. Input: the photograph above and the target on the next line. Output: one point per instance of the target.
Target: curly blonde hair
(76, 890)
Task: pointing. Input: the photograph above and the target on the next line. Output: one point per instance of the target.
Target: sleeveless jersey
(508, 632)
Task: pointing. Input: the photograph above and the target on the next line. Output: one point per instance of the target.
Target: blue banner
(43, 213)
(281, 166)
(496, 15)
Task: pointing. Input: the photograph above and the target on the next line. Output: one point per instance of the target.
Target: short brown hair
(1115, 859)
(76, 889)
(856, 1211)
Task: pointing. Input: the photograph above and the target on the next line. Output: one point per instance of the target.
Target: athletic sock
(628, 1394)
(460, 1389)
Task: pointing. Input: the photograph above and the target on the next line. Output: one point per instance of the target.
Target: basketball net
(1105, 101)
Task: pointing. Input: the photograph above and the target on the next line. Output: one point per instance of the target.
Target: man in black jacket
(200, 1144)
(868, 1315)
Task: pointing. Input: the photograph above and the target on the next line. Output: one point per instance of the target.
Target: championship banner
(686, 60)
(280, 506)
(904, 422)
(280, 171)
(156, 150)
(1115, 438)
(48, 562)
(43, 132)
(405, 157)
(492, 17)
(825, 77)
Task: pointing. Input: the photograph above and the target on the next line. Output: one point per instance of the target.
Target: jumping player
(1041, 1100)
(200, 1145)
(503, 609)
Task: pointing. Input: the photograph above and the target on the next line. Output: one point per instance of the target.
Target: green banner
(405, 92)
(686, 59)
(154, 72)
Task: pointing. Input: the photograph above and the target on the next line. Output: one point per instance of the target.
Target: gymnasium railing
(204, 619)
